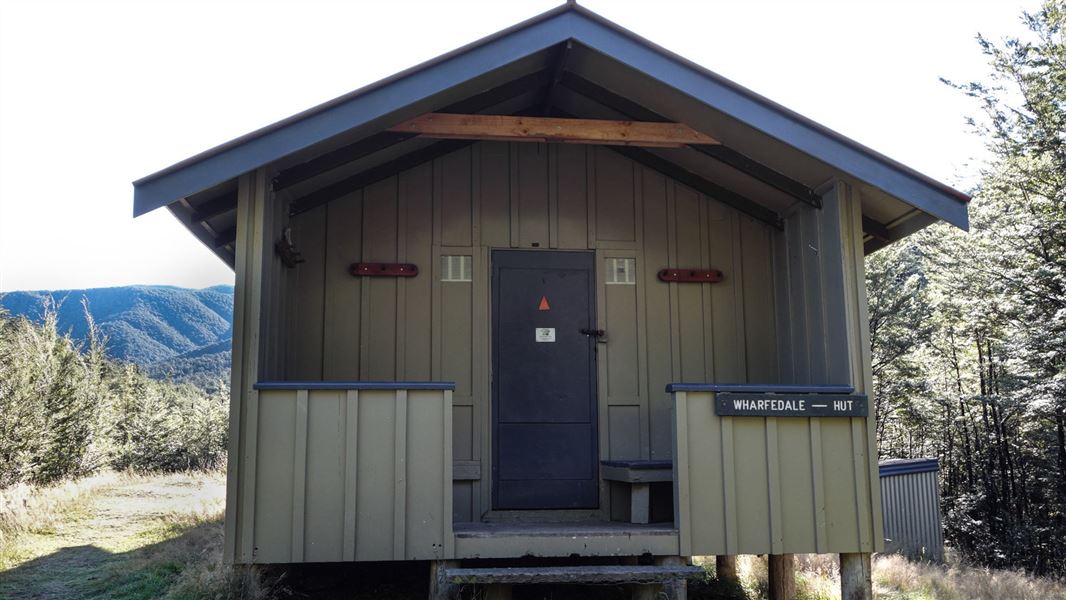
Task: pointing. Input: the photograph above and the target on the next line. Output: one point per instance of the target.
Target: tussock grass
(896, 578)
(29, 509)
(123, 536)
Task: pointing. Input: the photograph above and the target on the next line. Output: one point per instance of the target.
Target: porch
(364, 471)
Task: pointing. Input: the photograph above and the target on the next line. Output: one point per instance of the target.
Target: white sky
(96, 94)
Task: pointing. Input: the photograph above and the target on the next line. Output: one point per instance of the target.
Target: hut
(910, 501)
(557, 293)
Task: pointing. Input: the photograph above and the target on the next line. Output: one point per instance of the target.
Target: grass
(895, 578)
(128, 537)
(26, 510)
(122, 537)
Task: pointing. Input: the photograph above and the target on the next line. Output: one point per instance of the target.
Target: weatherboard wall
(773, 485)
(498, 195)
(791, 309)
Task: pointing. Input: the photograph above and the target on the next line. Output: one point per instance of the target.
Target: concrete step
(596, 574)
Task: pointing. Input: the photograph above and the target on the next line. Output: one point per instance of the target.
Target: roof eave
(385, 98)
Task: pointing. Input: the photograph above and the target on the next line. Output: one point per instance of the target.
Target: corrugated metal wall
(911, 505)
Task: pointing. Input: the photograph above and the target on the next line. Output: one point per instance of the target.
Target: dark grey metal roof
(905, 466)
(606, 57)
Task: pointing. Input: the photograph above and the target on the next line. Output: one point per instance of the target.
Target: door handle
(599, 334)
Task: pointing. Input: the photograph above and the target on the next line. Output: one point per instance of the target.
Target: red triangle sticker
(544, 303)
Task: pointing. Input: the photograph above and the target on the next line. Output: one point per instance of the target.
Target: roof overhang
(571, 62)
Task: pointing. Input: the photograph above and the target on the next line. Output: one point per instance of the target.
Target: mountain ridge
(172, 332)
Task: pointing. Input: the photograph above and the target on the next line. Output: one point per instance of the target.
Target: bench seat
(639, 474)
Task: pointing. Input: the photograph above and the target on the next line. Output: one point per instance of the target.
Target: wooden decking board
(564, 530)
(594, 574)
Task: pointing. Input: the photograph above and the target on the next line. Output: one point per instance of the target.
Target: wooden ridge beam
(380, 141)
(374, 174)
(553, 129)
(719, 152)
(698, 183)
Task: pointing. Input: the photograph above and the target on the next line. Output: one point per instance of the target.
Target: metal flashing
(901, 466)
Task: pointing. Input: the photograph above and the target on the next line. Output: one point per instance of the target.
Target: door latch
(599, 334)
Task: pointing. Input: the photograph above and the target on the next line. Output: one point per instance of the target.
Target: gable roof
(605, 71)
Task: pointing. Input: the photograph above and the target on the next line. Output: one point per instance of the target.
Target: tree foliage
(969, 330)
(66, 410)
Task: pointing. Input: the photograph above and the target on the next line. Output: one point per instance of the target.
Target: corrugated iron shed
(910, 500)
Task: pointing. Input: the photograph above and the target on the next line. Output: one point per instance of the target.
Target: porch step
(594, 574)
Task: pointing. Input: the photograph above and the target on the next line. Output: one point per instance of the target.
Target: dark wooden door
(544, 380)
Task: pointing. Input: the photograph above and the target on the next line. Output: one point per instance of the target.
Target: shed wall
(548, 196)
(912, 515)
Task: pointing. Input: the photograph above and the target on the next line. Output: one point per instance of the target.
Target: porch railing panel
(767, 484)
(351, 471)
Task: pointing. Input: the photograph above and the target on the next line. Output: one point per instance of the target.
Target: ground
(120, 537)
(126, 537)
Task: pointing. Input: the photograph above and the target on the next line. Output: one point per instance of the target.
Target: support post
(439, 589)
(856, 580)
(782, 571)
(676, 589)
(725, 568)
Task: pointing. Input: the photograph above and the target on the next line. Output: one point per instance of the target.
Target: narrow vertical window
(455, 267)
(621, 271)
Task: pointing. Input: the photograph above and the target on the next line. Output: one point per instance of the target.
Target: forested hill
(172, 332)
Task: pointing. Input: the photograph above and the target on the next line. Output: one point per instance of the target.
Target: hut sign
(799, 405)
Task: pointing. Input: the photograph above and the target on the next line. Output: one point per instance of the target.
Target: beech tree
(974, 371)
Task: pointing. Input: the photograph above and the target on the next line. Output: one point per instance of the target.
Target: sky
(94, 95)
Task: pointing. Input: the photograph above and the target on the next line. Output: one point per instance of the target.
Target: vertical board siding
(728, 487)
(615, 199)
(785, 312)
(657, 312)
(531, 194)
(343, 294)
(571, 196)
(353, 476)
(306, 293)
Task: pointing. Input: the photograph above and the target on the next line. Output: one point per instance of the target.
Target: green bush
(66, 410)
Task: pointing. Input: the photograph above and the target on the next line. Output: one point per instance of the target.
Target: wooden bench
(639, 474)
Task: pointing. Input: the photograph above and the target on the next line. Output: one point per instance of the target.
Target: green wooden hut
(558, 293)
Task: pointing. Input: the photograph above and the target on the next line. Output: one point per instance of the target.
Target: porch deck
(578, 538)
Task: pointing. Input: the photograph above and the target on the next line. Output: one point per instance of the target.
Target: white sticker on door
(545, 334)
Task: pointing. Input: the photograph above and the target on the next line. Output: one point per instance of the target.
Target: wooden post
(856, 580)
(439, 589)
(782, 571)
(725, 568)
(678, 588)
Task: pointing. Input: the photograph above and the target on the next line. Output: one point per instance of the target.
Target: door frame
(594, 371)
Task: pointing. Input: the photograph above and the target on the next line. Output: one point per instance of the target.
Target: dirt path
(107, 533)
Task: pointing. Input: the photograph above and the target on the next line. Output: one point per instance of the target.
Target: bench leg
(640, 503)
